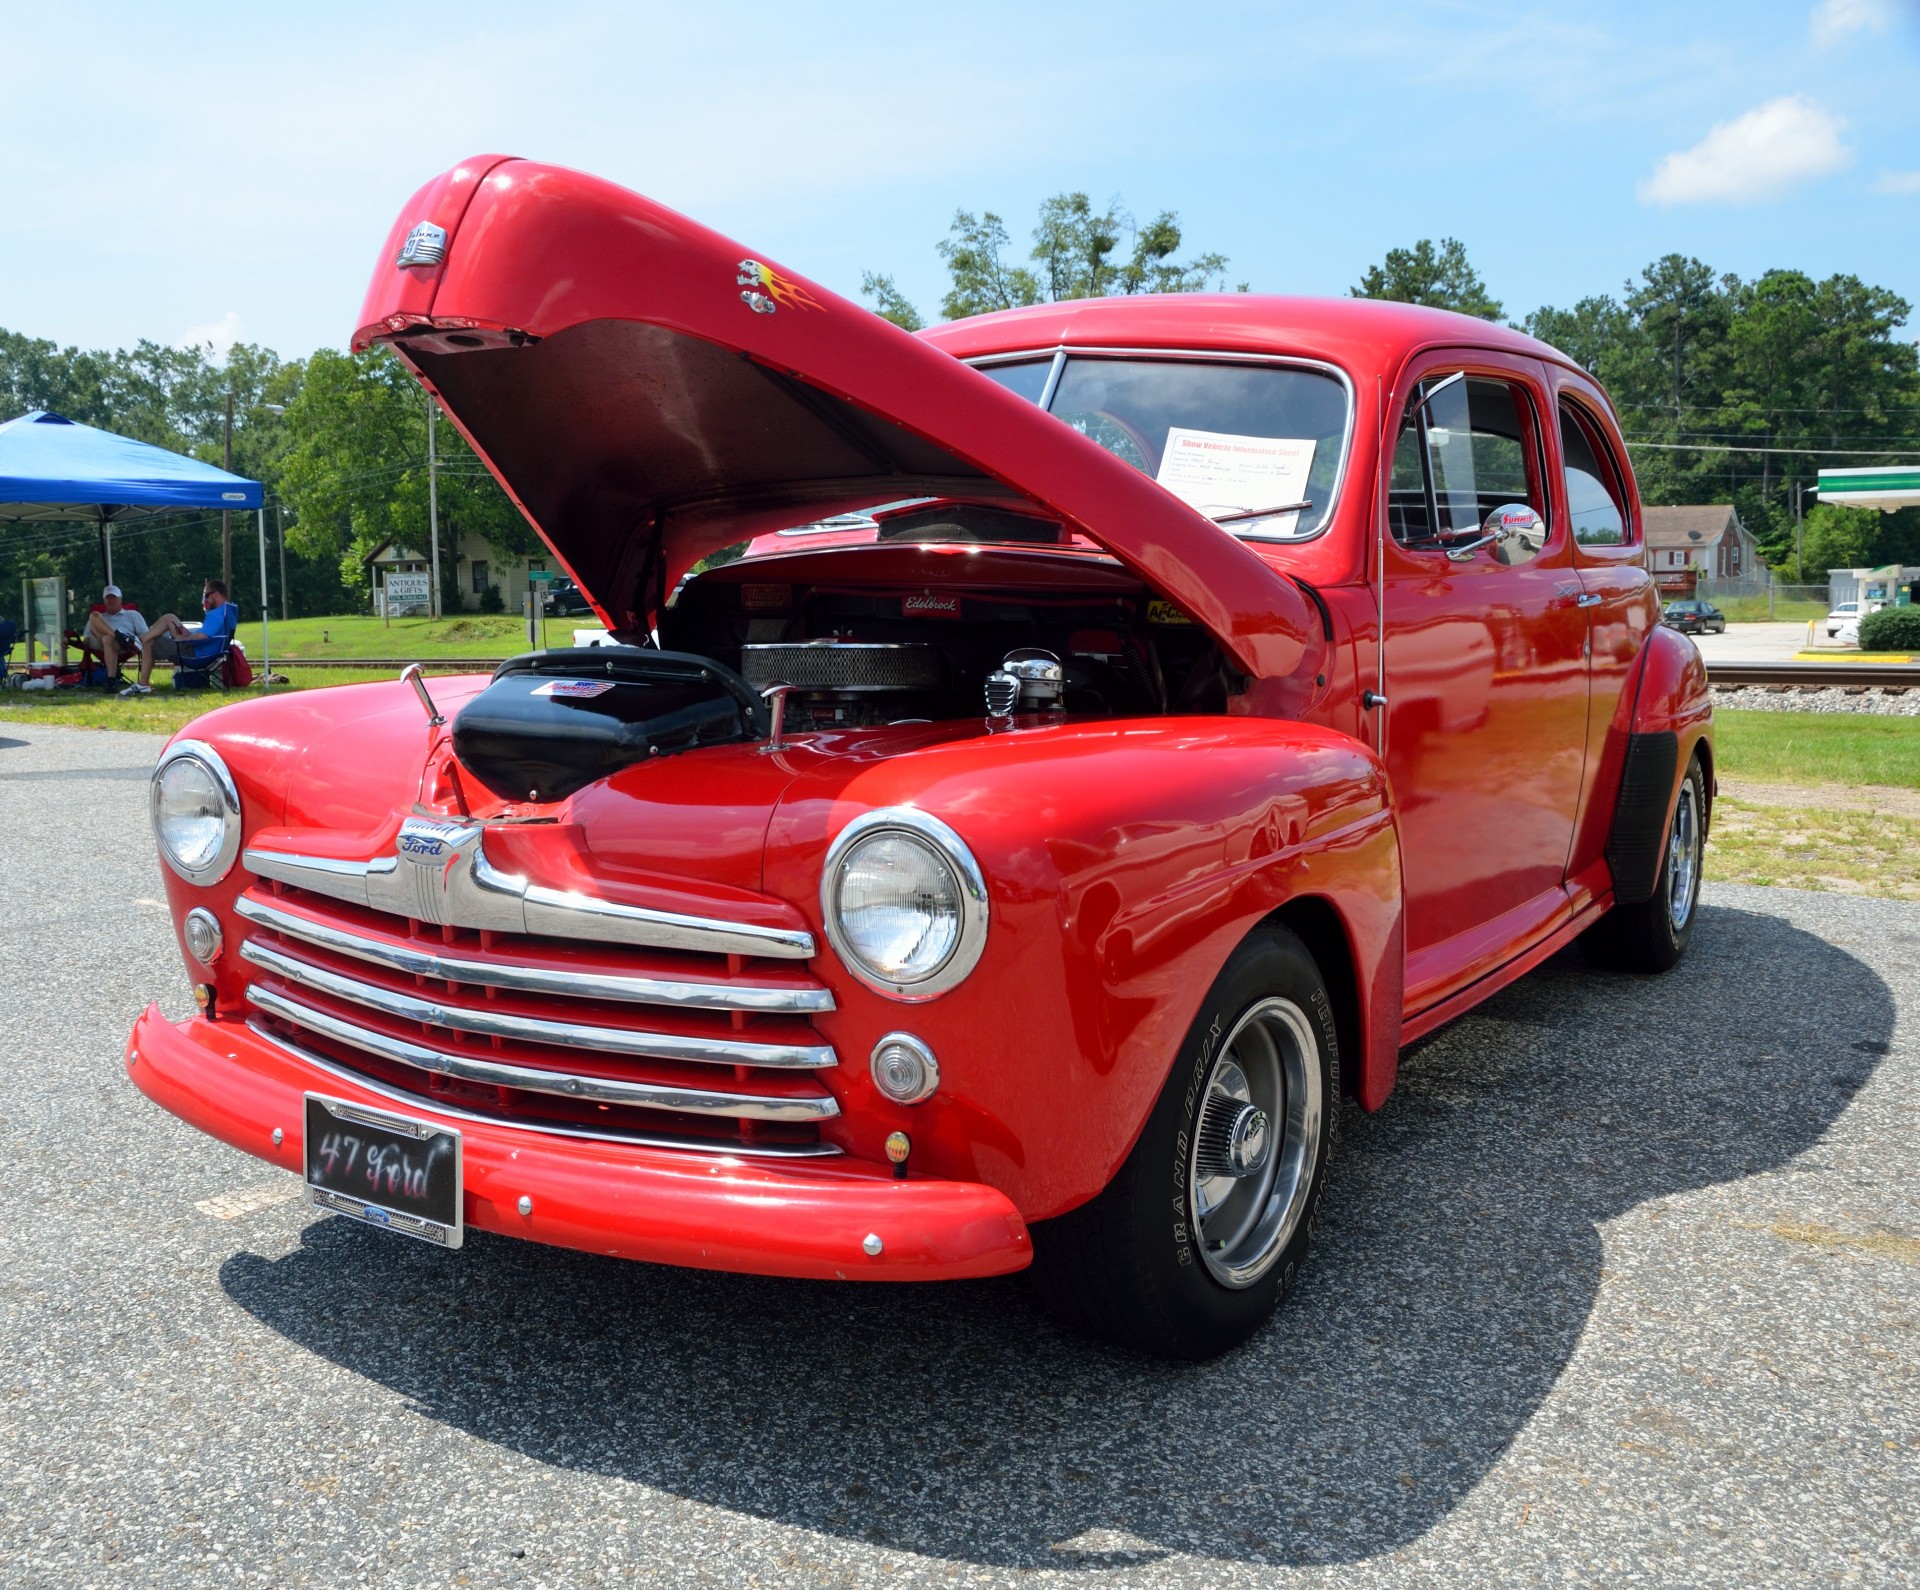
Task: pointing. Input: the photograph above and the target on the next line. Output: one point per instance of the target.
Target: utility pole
(280, 513)
(226, 514)
(1799, 539)
(433, 501)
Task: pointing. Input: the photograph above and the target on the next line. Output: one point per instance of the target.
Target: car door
(1595, 492)
(1486, 672)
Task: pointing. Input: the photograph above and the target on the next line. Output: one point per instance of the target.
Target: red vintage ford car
(1133, 722)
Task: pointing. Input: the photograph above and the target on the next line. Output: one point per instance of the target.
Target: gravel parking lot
(1622, 1285)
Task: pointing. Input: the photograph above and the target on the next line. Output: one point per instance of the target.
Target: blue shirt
(216, 629)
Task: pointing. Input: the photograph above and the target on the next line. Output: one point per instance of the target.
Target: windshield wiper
(1257, 513)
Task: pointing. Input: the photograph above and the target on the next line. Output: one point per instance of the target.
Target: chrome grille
(550, 1031)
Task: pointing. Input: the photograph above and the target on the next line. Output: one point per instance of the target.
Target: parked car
(1024, 867)
(1843, 623)
(1695, 618)
(566, 600)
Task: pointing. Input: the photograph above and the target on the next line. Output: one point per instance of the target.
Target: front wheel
(1193, 1244)
(1653, 935)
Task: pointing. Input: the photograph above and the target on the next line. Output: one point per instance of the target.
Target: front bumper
(704, 1211)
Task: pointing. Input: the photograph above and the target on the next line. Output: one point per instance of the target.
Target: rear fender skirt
(1636, 844)
(1672, 719)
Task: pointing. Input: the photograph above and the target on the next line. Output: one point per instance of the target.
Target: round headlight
(196, 812)
(904, 904)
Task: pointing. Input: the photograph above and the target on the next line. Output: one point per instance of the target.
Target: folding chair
(90, 655)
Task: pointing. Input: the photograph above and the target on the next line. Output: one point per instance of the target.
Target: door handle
(1587, 599)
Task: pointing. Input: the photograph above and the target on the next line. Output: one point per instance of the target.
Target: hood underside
(648, 392)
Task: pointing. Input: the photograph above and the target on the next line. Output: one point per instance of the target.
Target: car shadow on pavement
(1456, 1266)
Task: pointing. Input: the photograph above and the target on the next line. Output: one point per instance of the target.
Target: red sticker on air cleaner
(574, 689)
(927, 605)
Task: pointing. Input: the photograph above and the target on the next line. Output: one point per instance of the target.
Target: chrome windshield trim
(564, 1084)
(1060, 352)
(441, 874)
(531, 1029)
(628, 989)
(417, 1105)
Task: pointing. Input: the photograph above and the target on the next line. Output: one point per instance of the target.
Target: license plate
(384, 1169)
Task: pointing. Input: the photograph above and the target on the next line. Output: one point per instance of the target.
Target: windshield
(1258, 446)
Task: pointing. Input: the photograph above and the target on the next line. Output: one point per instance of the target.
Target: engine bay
(860, 647)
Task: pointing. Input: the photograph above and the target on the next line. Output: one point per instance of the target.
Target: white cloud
(1897, 182)
(221, 335)
(1835, 20)
(1757, 156)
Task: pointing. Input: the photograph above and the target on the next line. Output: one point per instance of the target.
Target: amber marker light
(899, 1146)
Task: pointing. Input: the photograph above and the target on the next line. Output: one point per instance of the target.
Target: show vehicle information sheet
(1219, 473)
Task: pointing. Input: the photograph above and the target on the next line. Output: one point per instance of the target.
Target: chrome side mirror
(1514, 521)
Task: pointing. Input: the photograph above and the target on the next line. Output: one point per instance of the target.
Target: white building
(476, 567)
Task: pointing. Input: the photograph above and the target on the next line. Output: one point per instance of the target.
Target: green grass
(1852, 748)
(363, 635)
(1753, 609)
(1838, 849)
(166, 709)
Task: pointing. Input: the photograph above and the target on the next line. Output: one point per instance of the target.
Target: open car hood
(648, 391)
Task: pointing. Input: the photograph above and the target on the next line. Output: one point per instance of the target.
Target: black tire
(1653, 935)
(1130, 1265)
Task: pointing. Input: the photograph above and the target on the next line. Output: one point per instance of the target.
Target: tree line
(1728, 389)
(338, 441)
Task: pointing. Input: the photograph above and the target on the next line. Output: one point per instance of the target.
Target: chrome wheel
(1683, 856)
(1251, 1167)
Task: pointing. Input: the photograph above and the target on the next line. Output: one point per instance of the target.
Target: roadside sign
(540, 574)
(408, 591)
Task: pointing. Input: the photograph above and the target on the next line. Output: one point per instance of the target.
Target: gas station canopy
(1885, 486)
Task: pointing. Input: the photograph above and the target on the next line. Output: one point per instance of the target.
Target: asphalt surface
(1622, 1286)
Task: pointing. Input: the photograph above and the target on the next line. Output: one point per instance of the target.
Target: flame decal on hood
(769, 289)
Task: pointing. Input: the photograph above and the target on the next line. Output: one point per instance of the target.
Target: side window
(1463, 453)
(1595, 501)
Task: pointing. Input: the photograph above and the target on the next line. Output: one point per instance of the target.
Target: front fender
(1125, 861)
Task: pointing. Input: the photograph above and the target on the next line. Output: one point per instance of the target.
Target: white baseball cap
(111, 590)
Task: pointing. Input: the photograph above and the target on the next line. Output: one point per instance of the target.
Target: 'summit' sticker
(574, 689)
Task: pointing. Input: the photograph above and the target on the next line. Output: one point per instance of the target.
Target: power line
(1789, 452)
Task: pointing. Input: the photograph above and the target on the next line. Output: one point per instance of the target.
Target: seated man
(113, 630)
(172, 641)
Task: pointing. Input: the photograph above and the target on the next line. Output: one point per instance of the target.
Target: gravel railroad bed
(1897, 701)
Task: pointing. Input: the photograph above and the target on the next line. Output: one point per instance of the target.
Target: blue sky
(210, 171)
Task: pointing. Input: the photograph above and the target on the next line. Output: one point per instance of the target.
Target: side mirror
(1515, 521)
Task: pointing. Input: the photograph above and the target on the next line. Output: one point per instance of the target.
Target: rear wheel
(1191, 1247)
(1653, 935)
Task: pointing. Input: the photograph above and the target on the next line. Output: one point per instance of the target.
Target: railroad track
(1817, 676)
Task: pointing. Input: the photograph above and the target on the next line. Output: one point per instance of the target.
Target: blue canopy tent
(55, 470)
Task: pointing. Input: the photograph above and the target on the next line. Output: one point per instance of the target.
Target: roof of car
(1363, 331)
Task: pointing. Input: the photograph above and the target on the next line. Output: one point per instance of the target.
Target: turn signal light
(904, 1068)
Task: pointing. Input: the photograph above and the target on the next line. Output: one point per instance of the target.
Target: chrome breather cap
(1027, 680)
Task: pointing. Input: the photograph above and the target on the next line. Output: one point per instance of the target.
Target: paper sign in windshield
(574, 689)
(1220, 473)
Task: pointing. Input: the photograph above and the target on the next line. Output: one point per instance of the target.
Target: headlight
(196, 812)
(904, 904)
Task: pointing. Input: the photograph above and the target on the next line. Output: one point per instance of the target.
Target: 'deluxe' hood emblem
(426, 244)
